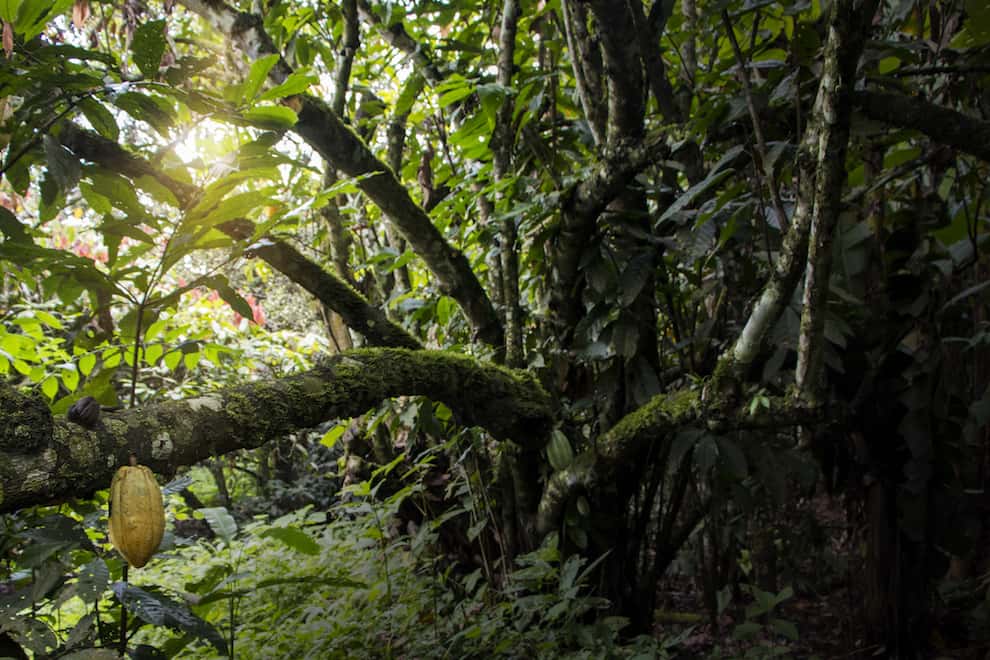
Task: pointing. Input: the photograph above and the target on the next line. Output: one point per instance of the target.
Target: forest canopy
(535, 328)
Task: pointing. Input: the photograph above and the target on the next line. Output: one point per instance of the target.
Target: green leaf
(70, 378)
(219, 520)
(148, 46)
(694, 192)
(49, 386)
(100, 118)
(331, 437)
(785, 628)
(410, 92)
(454, 89)
(294, 538)
(154, 330)
(152, 353)
(219, 284)
(11, 227)
(86, 364)
(144, 108)
(297, 83)
(160, 193)
(97, 201)
(63, 165)
(159, 610)
(172, 359)
(34, 15)
(270, 117)
(256, 77)
(235, 206)
(9, 9)
(118, 190)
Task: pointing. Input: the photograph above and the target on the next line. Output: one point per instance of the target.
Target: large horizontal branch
(325, 132)
(617, 453)
(358, 313)
(943, 125)
(44, 460)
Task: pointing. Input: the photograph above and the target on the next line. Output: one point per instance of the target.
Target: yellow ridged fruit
(137, 516)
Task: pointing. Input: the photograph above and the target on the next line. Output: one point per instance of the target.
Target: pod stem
(123, 612)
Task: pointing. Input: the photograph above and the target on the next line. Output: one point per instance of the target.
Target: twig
(761, 147)
(931, 70)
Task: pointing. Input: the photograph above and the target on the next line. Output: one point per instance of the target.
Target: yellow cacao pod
(137, 517)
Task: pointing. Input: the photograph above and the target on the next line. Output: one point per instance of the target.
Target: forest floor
(824, 609)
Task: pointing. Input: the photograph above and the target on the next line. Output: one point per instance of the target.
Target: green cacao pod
(137, 516)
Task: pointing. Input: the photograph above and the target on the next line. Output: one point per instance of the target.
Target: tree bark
(44, 460)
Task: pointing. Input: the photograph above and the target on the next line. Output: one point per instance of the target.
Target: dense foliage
(467, 329)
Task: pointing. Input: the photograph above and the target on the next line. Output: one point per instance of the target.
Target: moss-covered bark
(67, 460)
(617, 451)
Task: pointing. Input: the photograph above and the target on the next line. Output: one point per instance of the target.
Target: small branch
(933, 70)
(345, 58)
(587, 64)
(396, 36)
(817, 146)
(625, 445)
(509, 255)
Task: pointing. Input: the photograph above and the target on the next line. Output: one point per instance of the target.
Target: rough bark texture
(503, 139)
(587, 63)
(66, 460)
(944, 125)
(847, 34)
(623, 71)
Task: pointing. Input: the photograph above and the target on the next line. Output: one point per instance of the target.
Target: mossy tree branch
(617, 453)
(44, 460)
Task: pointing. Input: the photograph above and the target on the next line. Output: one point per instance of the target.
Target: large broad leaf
(453, 89)
(116, 189)
(92, 580)
(145, 108)
(63, 166)
(158, 610)
(9, 10)
(148, 47)
(220, 521)
(33, 15)
(270, 117)
(295, 538)
(410, 92)
(100, 118)
(256, 77)
(297, 83)
(694, 193)
(220, 284)
(11, 227)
